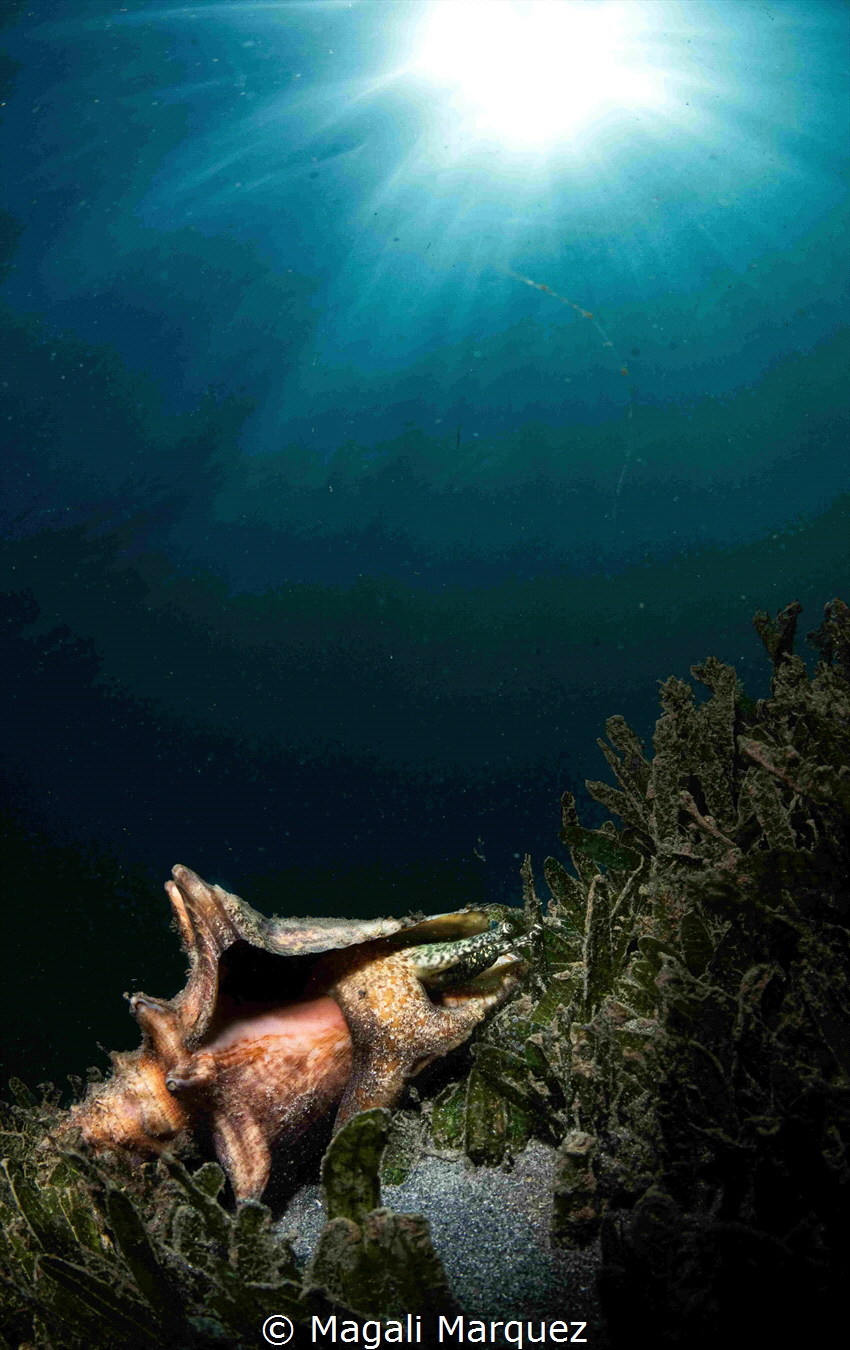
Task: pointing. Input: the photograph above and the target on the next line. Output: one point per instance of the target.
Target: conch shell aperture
(281, 1020)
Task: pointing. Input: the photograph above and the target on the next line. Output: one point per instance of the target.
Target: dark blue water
(387, 404)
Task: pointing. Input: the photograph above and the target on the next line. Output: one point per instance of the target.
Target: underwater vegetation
(687, 1045)
(106, 1254)
(682, 1040)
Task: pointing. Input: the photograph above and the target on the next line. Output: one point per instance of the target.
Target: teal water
(392, 392)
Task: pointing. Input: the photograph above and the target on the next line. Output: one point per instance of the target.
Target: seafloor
(492, 1229)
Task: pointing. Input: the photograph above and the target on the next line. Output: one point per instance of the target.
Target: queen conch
(281, 1020)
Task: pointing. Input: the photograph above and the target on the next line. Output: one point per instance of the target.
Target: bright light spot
(531, 71)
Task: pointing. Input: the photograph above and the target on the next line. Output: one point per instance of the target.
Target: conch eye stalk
(283, 1020)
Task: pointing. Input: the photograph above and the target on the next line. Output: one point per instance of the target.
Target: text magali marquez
(459, 1330)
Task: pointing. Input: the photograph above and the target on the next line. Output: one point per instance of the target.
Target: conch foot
(404, 1010)
(281, 1020)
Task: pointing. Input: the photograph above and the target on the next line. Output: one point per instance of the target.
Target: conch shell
(281, 1020)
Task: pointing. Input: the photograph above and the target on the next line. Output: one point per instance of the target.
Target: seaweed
(97, 1253)
(685, 1040)
(368, 1258)
(681, 1041)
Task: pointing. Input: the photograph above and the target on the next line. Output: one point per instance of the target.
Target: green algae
(101, 1254)
(368, 1258)
(681, 1040)
(692, 1060)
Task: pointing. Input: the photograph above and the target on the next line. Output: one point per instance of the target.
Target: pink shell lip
(295, 1024)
